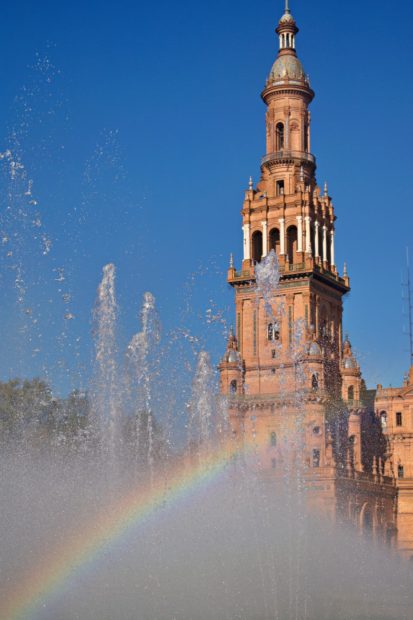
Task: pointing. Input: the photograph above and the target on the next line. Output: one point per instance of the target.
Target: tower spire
(287, 29)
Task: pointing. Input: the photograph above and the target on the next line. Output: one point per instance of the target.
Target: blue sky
(139, 126)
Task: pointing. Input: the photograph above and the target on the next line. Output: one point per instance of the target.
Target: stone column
(333, 261)
(316, 238)
(287, 132)
(247, 250)
(264, 239)
(308, 234)
(299, 233)
(282, 236)
(324, 243)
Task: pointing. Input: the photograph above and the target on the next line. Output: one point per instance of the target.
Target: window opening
(257, 246)
(273, 333)
(275, 240)
(279, 130)
(316, 458)
(280, 188)
(314, 382)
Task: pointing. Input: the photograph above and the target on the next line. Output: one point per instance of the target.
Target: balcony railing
(292, 267)
(286, 154)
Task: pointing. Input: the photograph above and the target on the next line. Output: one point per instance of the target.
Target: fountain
(178, 538)
(105, 516)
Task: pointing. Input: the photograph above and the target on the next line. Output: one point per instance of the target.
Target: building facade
(394, 408)
(294, 386)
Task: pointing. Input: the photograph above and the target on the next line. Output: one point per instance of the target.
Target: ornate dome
(287, 17)
(314, 349)
(233, 356)
(287, 66)
(350, 363)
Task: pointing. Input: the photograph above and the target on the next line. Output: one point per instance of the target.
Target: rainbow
(82, 550)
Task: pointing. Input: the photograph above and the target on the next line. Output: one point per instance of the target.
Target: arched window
(323, 323)
(257, 246)
(320, 242)
(314, 382)
(367, 520)
(383, 419)
(275, 240)
(399, 418)
(316, 458)
(279, 135)
(328, 248)
(306, 138)
(400, 471)
(312, 241)
(292, 236)
(273, 439)
(233, 387)
(350, 393)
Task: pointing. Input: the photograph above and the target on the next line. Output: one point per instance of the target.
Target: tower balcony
(287, 156)
(307, 267)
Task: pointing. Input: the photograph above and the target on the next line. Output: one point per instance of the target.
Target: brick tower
(283, 366)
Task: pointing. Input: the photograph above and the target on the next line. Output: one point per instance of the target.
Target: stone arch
(292, 240)
(256, 246)
(312, 240)
(275, 240)
(320, 242)
(329, 247)
(279, 136)
(323, 322)
(367, 519)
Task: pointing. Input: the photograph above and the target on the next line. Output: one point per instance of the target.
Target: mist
(237, 548)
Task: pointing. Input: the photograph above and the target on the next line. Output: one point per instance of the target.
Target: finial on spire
(345, 270)
(251, 184)
(231, 261)
(287, 7)
(325, 189)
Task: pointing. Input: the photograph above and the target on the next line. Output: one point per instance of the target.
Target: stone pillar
(308, 234)
(299, 233)
(264, 239)
(282, 236)
(333, 261)
(316, 238)
(324, 243)
(287, 132)
(247, 250)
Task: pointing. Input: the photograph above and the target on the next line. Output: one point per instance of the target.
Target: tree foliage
(31, 416)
